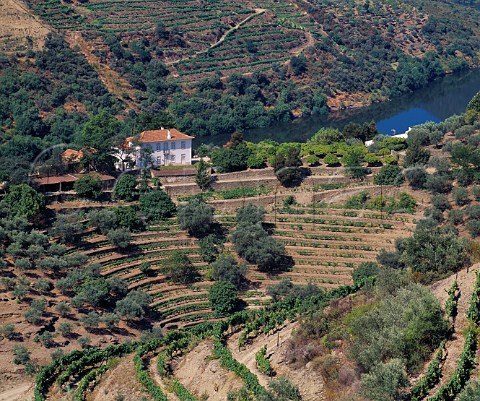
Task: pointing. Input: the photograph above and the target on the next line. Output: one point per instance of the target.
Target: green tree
(196, 217)
(126, 188)
(389, 175)
(156, 205)
(203, 177)
(436, 251)
(331, 160)
(128, 217)
(226, 268)
(134, 305)
(364, 271)
(21, 355)
(103, 219)
(120, 237)
(250, 214)
(179, 269)
(88, 186)
(386, 381)
(23, 201)
(97, 137)
(223, 297)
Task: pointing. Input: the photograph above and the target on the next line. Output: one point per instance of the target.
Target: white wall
(173, 154)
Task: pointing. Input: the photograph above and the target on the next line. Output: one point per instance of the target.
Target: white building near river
(166, 147)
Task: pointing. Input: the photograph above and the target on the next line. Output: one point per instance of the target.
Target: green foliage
(434, 251)
(365, 271)
(263, 364)
(126, 188)
(179, 269)
(431, 377)
(88, 186)
(226, 268)
(250, 214)
(223, 297)
(386, 381)
(331, 160)
(23, 201)
(196, 217)
(21, 355)
(156, 206)
(209, 248)
(203, 177)
(405, 325)
(280, 389)
(389, 175)
(133, 306)
(232, 159)
(119, 237)
(471, 392)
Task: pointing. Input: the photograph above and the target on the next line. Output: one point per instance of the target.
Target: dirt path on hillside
(258, 11)
(112, 80)
(308, 381)
(466, 283)
(21, 392)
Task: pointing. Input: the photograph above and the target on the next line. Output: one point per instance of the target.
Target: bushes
(196, 217)
(252, 242)
(179, 269)
(405, 325)
(226, 268)
(156, 206)
(386, 381)
(389, 175)
(263, 364)
(126, 188)
(88, 186)
(223, 297)
(119, 237)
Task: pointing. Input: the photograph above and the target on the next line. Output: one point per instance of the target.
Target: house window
(183, 158)
(183, 144)
(159, 146)
(173, 145)
(165, 146)
(172, 158)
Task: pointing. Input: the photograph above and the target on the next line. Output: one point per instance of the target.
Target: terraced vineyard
(325, 245)
(217, 36)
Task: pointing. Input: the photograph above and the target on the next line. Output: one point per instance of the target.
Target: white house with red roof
(167, 147)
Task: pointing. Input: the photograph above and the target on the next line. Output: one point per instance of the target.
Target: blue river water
(437, 101)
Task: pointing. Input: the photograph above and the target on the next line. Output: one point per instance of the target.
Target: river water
(437, 101)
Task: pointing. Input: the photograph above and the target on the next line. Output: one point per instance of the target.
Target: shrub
(364, 271)
(461, 196)
(437, 183)
(455, 216)
(250, 214)
(65, 329)
(473, 227)
(223, 297)
(103, 219)
(22, 200)
(133, 306)
(440, 201)
(312, 160)
(62, 308)
(254, 244)
(84, 341)
(407, 325)
(126, 188)
(88, 186)
(156, 205)
(196, 217)
(209, 248)
(386, 381)
(203, 177)
(179, 269)
(21, 355)
(471, 392)
(331, 160)
(43, 285)
(8, 331)
(389, 175)
(90, 321)
(416, 177)
(476, 192)
(119, 237)
(226, 268)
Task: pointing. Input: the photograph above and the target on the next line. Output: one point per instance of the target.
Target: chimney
(162, 128)
(169, 135)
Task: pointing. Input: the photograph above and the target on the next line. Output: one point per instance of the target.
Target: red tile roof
(55, 179)
(161, 135)
(72, 155)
